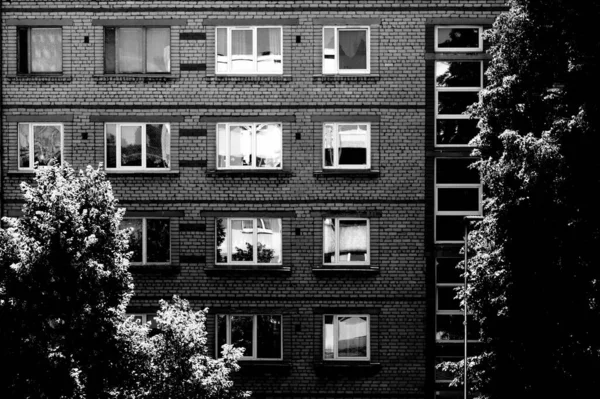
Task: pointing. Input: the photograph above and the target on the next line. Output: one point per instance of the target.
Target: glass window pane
(268, 146)
(446, 299)
(241, 333)
(328, 337)
(447, 272)
(158, 55)
(352, 336)
(222, 54)
(111, 145)
(329, 241)
(455, 131)
(24, 145)
(269, 240)
(451, 328)
(242, 58)
(456, 102)
(157, 146)
(353, 49)
(449, 228)
(221, 332)
(268, 337)
(158, 244)
(46, 49)
(328, 145)
(135, 239)
(109, 50)
(46, 144)
(447, 376)
(269, 50)
(353, 240)
(242, 235)
(353, 145)
(131, 146)
(458, 37)
(458, 199)
(222, 145)
(130, 51)
(222, 241)
(240, 142)
(456, 171)
(458, 74)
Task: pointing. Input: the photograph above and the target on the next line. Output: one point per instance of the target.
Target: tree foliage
(534, 272)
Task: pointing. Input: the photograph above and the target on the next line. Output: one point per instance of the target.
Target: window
(138, 146)
(346, 241)
(249, 50)
(41, 143)
(458, 38)
(346, 50)
(249, 145)
(150, 240)
(346, 337)
(237, 238)
(144, 318)
(39, 50)
(346, 145)
(137, 50)
(259, 335)
(458, 193)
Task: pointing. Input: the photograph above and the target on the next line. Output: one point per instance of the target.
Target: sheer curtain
(353, 49)
(159, 50)
(130, 50)
(241, 50)
(46, 49)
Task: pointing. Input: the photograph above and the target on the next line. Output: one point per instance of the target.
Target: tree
(172, 361)
(64, 286)
(534, 270)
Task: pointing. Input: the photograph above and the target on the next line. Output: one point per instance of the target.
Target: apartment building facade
(298, 167)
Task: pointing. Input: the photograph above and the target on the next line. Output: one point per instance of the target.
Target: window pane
(46, 49)
(447, 272)
(241, 333)
(135, 239)
(328, 337)
(458, 37)
(222, 145)
(458, 74)
(269, 240)
(240, 146)
(158, 54)
(352, 336)
(446, 299)
(269, 50)
(268, 337)
(455, 131)
(241, 51)
(242, 234)
(222, 241)
(456, 171)
(222, 54)
(24, 145)
(131, 146)
(329, 240)
(456, 102)
(353, 49)
(157, 146)
(458, 199)
(158, 244)
(451, 327)
(268, 146)
(46, 144)
(328, 145)
(111, 145)
(23, 50)
(329, 59)
(449, 228)
(221, 332)
(353, 240)
(130, 50)
(352, 144)
(109, 50)
(447, 376)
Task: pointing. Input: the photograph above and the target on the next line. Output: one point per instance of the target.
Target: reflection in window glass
(135, 239)
(236, 51)
(346, 145)
(455, 131)
(458, 73)
(345, 337)
(150, 240)
(157, 146)
(458, 37)
(456, 103)
(131, 146)
(241, 333)
(345, 241)
(249, 146)
(39, 143)
(259, 335)
(238, 238)
(24, 161)
(141, 146)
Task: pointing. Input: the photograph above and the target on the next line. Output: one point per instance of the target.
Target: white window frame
(30, 138)
(458, 49)
(339, 262)
(336, 356)
(466, 89)
(478, 212)
(336, 126)
(255, 228)
(254, 50)
(255, 126)
(145, 241)
(254, 335)
(144, 148)
(146, 317)
(336, 51)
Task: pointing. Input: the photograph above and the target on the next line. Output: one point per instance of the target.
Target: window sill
(142, 173)
(346, 78)
(345, 367)
(264, 367)
(245, 270)
(41, 78)
(345, 271)
(165, 269)
(136, 78)
(20, 172)
(251, 78)
(346, 173)
(249, 173)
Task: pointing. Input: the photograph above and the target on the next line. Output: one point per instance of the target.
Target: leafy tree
(534, 270)
(172, 361)
(64, 285)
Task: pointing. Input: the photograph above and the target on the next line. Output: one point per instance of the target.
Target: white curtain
(46, 49)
